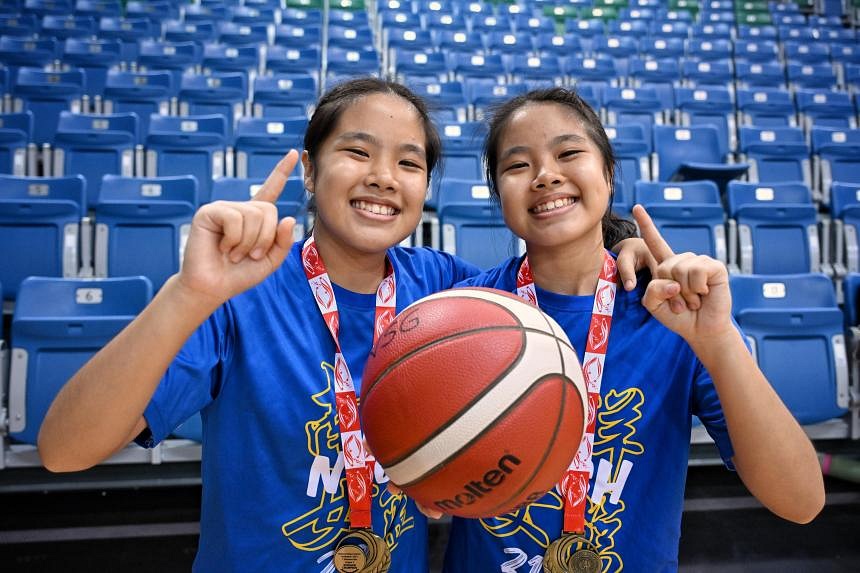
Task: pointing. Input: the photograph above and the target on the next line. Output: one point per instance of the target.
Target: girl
(659, 356)
(268, 342)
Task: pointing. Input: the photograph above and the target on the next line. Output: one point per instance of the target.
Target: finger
(429, 512)
(659, 248)
(283, 241)
(268, 231)
(252, 221)
(274, 183)
(227, 221)
(393, 489)
(626, 263)
(659, 294)
(682, 274)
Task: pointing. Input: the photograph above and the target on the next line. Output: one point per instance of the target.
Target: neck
(347, 268)
(570, 269)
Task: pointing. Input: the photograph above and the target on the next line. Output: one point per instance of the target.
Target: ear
(309, 175)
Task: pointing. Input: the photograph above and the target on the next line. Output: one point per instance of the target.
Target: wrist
(192, 302)
(716, 347)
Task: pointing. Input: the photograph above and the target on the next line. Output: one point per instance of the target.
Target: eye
(411, 164)
(514, 166)
(357, 151)
(569, 153)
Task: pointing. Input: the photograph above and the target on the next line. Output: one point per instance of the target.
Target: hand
(689, 294)
(427, 511)
(234, 245)
(633, 255)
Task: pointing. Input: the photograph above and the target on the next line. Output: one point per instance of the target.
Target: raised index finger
(652, 237)
(274, 183)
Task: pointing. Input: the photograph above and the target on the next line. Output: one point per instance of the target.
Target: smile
(374, 208)
(553, 205)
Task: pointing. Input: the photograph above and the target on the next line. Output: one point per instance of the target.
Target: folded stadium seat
(715, 73)
(447, 100)
(813, 76)
(129, 32)
(282, 96)
(777, 230)
(456, 41)
(487, 23)
(153, 10)
(348, 13)
(844, 58)
(825, 108)
(399, 19)
(797, 33)
(796, 333)
(222, 93)
(18, 53)
(301, 17)
(716, 31)
(753, 75)
(661, 28)
(472, 226)
(851, 289)
(16, 130)
(175, 57)
(604, 13)
(756, 51)
(659, 48)
(757, 32)
(532, 68)
(40, 220)
(418, 65)
(67, 26)
(98, 8)
(46, 94)
(776, 154)
(291, 203)
(197, 32)
(599, 73)
(485, 92)
(692, 153)
(192, 145)
(641, 106)
(709, 105)
(689, 215)
(238, 34)
(626, 27)
(766, 107)
(534, 24)
(468, 135)
(58, 324)
(223, 58)
(805, 53)
(142, 93)
(461, 163)
(845, 209)
(709, 50)
(662, 75)
(439, 22)
(509, 43)
(645, 11)
(584, 27)
(632, 162)
(478, 66)
(204, 12)
(43, 8)
(17, 24)
(252, 15)
(95, 58)
(835, 157)
(260, 143)
(619, 48)
(93, 146)
(298, 35)
(142, 226)
(347, 63)
(353, 37)
(284, 60)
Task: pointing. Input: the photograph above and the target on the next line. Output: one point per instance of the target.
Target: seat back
(16, 131)
(260, 143)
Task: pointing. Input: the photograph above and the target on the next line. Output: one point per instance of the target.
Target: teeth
(552, 205)
(374, 208)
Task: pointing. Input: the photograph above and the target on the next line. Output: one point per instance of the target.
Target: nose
(381, 176)
(547, 178)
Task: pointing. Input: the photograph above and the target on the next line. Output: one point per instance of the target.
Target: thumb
(283, 242)
(274, 183)
(658, 293)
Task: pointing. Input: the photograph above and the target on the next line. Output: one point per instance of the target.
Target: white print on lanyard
(574, 483)
(359, 465)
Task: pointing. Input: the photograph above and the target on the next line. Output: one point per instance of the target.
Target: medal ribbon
(574, 483)
(359, 464)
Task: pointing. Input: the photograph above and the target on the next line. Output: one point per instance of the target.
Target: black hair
(615, 228)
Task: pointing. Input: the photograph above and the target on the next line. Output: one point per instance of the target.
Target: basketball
(473, 401)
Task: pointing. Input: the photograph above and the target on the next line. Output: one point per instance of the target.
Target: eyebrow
(364, 136)
(555, 141)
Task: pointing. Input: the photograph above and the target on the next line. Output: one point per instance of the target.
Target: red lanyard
(359, 464)
(574, 483)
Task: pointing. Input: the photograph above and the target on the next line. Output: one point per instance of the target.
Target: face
(550, 177)
(370, 175)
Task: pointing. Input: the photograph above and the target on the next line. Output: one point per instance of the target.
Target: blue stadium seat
(95, 58)
(485, 92)
(18, 53)
(98, 8)
(222, 93)
(402, 19)
(689, 215)
(805, 52)
(242, 34)
(153, 10)
(283, 59)
(641, 106)
(599, 72)
(711, 73)
(142, 225)
(478, 66)
(819, 75)
(507, 42)
(796, 333)
(635, 28)
(560, 45)
(776, 154)
(252, 15)
(291, 203)
(175, 57)
(205, 12)
(658, 48)
(301, 17)
(298, 37)
(197, 32)
(46, 94)
(533, 24)
(16, 130)
(447, 100)
(225, 58)
(851, 288)
(756, 51)
(57, 326)
(546, 68)
(709, 105)
(584, 27)
(17, 24)
(766, 107)
(692, 153)
(619, 48)
(825, 108)
(40, 221)
(347, 63)
(670, 29)
(341, 14)
(192, 145)
(754, 32)
(67, 26)
(777, 230)
(142, 93)
(709, 50)
(430, 67)
(284, 96)
(467, 135)
(845, 209)
(130, 32)
(353, 37)
(93, 146)
(836, 157)
(760, 75)
(714, 31)
(632, 163)
(261, 142)
(489, 23)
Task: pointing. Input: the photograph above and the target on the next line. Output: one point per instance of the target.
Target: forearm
(98, 408)
(773, 455)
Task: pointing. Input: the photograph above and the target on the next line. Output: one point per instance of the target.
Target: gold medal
(571, 553)
(361, 551)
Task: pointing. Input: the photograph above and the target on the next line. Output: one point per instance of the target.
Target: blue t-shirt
(652, 384)
(260, 372)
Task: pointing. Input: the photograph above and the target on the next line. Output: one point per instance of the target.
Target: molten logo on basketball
(477, 489)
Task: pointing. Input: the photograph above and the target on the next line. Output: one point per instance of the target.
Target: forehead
(542, 120)
(382, 115)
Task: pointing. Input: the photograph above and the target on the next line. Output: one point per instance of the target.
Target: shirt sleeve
(192, 380)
